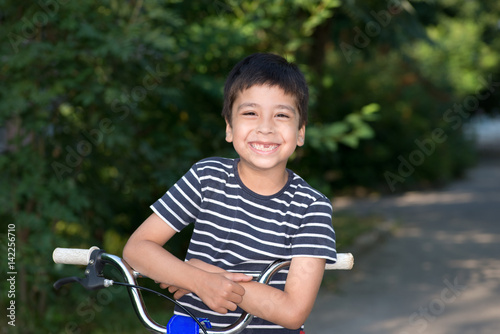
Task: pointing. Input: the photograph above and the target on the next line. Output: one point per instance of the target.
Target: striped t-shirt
(239, 230)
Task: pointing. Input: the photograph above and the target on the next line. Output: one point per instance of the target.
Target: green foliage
(104, 105)
(349, 131)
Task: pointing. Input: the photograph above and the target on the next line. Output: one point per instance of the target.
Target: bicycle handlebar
(78, 256)
(95, 259)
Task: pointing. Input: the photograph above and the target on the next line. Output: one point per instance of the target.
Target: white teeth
(266, 147)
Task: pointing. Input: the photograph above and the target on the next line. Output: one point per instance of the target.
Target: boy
(247, 212)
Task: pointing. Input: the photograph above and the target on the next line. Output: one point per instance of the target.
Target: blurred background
(105, 104)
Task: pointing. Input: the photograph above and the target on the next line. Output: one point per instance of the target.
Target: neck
(263, 183)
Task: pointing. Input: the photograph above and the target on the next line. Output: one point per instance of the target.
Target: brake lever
(93, 275)
(63, 281)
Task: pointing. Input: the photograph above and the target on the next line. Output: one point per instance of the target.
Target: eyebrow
(278, 106)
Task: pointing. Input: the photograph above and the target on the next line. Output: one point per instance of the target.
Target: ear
(229, 132)
(301, 137)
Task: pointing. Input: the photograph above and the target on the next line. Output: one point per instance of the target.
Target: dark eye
(249, 113)
(282, 116)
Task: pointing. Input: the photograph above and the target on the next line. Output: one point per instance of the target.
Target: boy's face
(265, 128)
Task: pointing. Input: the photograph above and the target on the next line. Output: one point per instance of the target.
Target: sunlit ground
(440, 271)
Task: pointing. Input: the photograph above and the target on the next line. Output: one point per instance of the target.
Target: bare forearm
(273, 305)
(289, 310)
(155, 262)
(219, 291)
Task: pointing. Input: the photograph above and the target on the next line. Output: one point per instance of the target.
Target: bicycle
(95, 259)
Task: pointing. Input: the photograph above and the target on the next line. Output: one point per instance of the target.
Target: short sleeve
(316, 237)
(181, 203)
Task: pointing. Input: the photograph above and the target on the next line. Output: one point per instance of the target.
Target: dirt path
(439, 273)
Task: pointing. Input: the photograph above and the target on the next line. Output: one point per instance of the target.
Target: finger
(237, 289)
(232, 307)
(180, 293)
(222, 304)
(232, 304)
(163, 286)
(236, 298)
(225, 309)
(237, 277)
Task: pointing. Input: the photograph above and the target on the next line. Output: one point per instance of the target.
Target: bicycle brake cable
(202, 327)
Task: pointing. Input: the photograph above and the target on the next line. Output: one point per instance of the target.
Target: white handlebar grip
(345, 261)
(76, 256)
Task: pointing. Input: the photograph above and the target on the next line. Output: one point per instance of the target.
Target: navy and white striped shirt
(239, 230)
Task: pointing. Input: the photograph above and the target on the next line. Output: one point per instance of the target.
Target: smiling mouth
(264, 147)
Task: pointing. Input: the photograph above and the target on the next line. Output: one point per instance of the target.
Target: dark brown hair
(266, 69)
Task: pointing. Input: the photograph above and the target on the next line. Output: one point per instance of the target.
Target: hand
(219, 289)
(176, 291)
(234, 277)
(221, 292)
(179, 292)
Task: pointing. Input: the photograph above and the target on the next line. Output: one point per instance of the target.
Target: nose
(265, 125)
